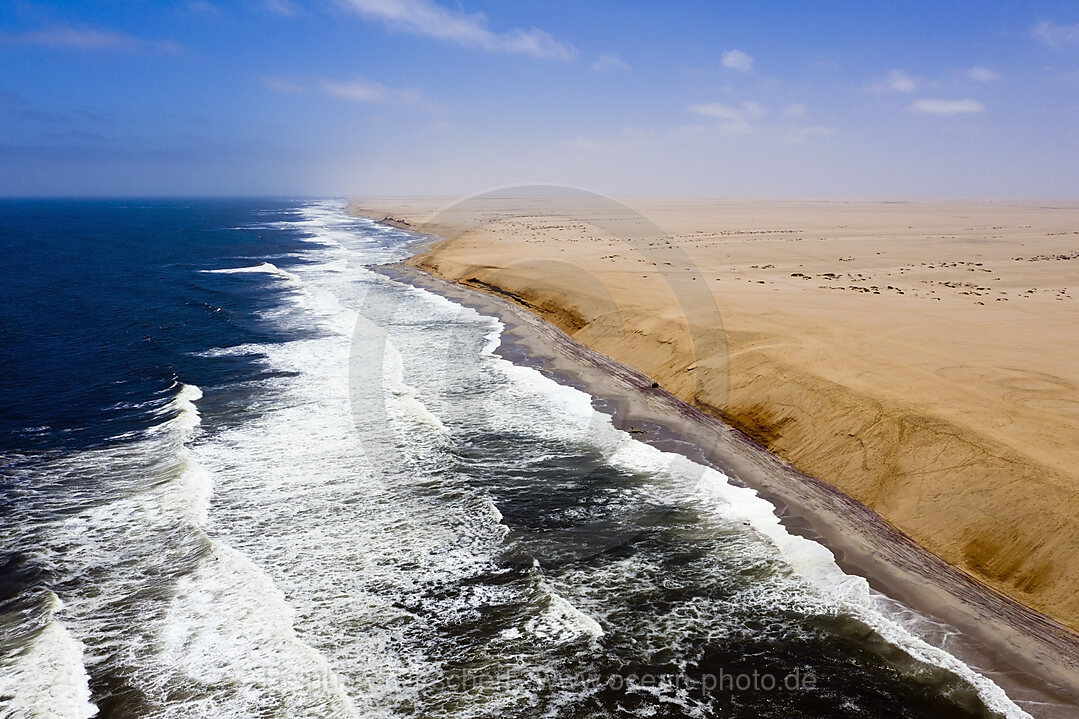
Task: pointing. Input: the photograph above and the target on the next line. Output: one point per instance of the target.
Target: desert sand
(918, 356)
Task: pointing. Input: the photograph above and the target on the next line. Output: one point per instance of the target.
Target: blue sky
(391, 97)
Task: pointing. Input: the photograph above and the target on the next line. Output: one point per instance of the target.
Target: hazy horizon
(417, 97)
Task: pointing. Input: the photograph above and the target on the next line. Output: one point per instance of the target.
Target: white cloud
(735, 119)
(980, 74)
(609, 61)
(1054, 35)
(737, 60)
(896, 81)
(749, 117)
(424, 17)
(71, 38)
(946, 108)
(355, 90)
(729, 112)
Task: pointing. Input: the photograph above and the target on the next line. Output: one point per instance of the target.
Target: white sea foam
(48, 680)
(562, 621)
(157, 487)
(357, 533)
(404, 398)
(265, 267)
(229, 632)
(227, 636)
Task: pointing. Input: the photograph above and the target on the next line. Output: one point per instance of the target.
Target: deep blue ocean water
(102, 309)
(241, 474)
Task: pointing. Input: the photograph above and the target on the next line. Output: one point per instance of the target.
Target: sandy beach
(918, 357)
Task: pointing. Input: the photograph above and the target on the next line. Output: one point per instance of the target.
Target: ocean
(244, 474)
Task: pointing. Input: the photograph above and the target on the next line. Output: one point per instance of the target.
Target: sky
(451, 97)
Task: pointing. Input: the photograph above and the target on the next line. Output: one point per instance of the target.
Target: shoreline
(919, 358)
(1032, 657)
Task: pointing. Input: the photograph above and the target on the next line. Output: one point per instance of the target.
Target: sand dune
(921, 357)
